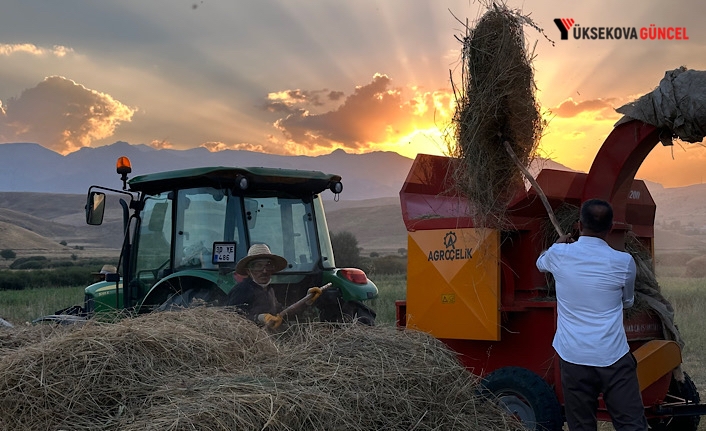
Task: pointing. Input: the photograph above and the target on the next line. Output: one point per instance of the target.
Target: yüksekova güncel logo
(450, 252)
(570, 29)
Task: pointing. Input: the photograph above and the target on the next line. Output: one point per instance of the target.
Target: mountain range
(28, 167)
(42, 195)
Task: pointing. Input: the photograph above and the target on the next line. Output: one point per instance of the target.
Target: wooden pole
(535, 184)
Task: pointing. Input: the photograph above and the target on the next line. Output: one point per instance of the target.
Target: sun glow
(425, 141)
(575, 141)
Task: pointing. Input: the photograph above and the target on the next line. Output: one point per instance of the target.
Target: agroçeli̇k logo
(651, 32)
(450, 252)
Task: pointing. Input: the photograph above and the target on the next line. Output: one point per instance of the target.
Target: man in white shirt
(594, 282)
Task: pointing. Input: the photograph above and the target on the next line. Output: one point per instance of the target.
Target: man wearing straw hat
(594, 283)
(253, 295)
(106, 269)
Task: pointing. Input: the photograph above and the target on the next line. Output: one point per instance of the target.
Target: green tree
(345, 249)
(374, 254)
(402, 251)
(8, 254)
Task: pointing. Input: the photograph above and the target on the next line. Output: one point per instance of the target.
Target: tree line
(40, 271)
(348, 255)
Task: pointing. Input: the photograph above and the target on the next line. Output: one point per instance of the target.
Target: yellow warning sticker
(448, 298)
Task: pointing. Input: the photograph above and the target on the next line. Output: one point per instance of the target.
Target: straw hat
(106, 269)
(260, 251)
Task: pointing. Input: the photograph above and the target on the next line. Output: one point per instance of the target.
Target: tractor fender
(183, 286)
(655, 359)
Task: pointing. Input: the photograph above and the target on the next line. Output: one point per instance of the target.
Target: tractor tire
(354, 311)
(347, 312)
(526, 396)
(686, 390)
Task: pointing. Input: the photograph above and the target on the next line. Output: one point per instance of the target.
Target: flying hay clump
(495, 102)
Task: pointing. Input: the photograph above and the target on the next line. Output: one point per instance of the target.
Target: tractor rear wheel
(526, 396)
(681, 390)
(347, 312)
(354, 311)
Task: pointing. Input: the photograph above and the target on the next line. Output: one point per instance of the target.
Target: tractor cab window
(287, 226)
(154, 237)
(201, 221)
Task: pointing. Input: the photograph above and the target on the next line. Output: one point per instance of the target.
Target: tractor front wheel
(525, 396)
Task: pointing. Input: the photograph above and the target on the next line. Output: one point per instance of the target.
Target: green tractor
(184, 231)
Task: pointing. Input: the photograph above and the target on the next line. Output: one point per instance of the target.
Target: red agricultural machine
(478, 290)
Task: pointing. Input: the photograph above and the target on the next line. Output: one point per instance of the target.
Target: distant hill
(19, 239)
(30, 167)
(377, 224)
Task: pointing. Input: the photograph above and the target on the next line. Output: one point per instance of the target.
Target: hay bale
(209, 368)
(494, 103)
(90, 376)
(12, 339)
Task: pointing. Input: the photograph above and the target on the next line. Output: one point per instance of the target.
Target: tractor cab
(185, 230)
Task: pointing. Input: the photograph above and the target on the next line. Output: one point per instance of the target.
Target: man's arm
(629, 288)
(544, 262)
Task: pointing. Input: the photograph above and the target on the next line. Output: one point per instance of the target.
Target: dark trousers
(618, 383)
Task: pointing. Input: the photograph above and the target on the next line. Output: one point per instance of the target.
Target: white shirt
(594, 282)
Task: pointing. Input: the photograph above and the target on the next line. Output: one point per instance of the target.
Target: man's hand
(316, 292)
(270, 320)
(565, 239)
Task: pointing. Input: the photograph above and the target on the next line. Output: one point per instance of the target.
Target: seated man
(253, 295)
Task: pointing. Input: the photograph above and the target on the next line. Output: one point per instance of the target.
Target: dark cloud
(374, 113)
(279, 107)
(602, 107)
(61, 115)
(335, 95)
(284, 101)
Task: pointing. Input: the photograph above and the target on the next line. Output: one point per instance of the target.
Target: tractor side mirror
(95, 208)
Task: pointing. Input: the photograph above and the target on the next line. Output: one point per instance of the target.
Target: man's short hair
(597, 215)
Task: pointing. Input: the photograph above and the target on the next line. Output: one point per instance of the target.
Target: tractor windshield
(154, 238)
(196, 218)
(201, 220)
(287, 226)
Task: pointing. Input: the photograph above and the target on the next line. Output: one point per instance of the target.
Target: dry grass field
(687, 295)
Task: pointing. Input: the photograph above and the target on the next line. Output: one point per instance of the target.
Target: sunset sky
(310, 76)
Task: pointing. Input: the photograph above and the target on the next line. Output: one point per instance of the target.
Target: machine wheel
(687, 391)
(526, 396)
(347, 311)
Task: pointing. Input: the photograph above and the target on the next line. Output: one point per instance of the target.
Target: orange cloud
(161, 145)
(375, 113)
(602, 108)
(61, 115)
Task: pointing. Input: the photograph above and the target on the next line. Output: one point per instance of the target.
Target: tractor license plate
(223, 252)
